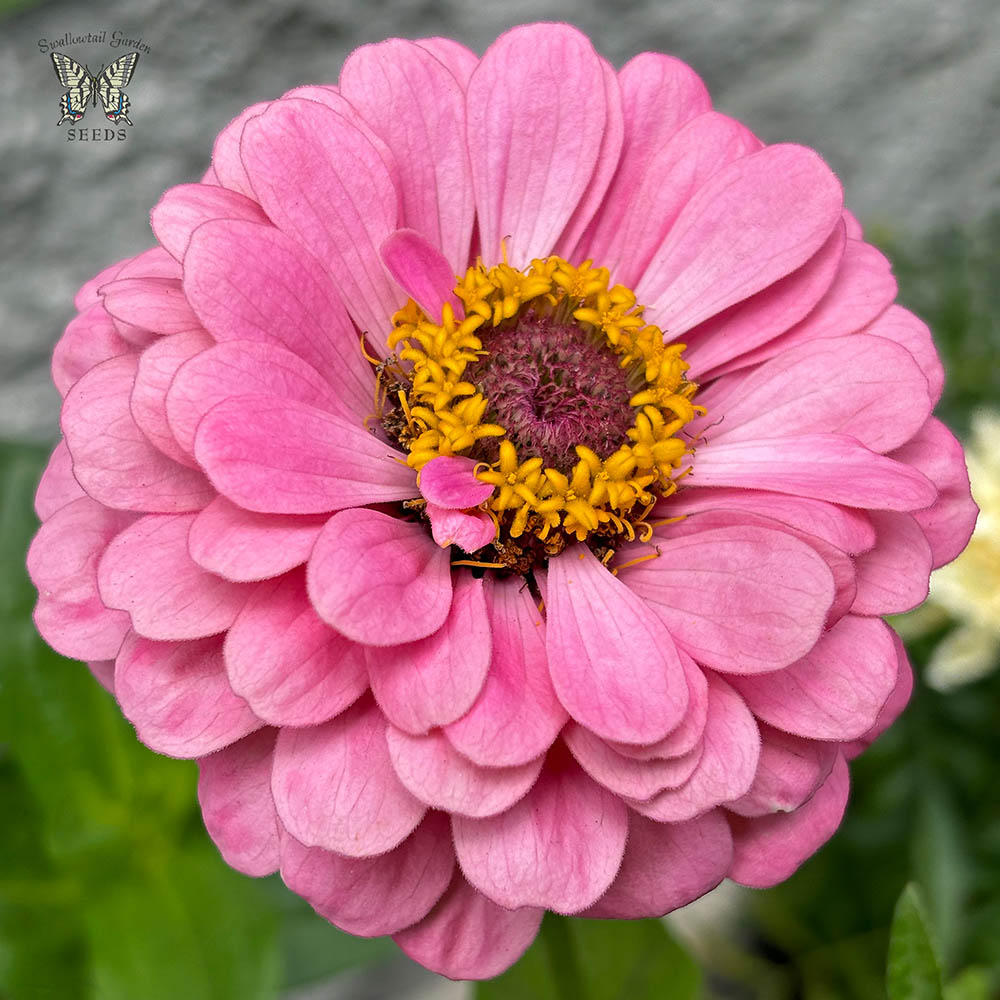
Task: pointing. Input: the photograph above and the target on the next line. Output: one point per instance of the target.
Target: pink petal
(863, 288)
(847, 529)
(628, 776)
(157, 366)
(234, 790)
(282, 456)
(147, 571)
(901, 326)
(459, 60)
(330, 97)
(226, 159)
(777, 591)
(769, 849)
(62, 563)
(742, 231)
(240, 545)
(832, 467)
(517, 715)
(658, 95)
(323, 182)
(136, 337)
(559, 847)
(625, 241)
(834, 693)
(854, 228)
(728, 335)
(867, 387)
(58, 485)
(726, 768)
(151, 303)
(152, 263)
(839, 563)
(790, 770)
(177, 696)
(413, 102)
(613, 665)
(251, 282)
(433, 770)
(949, 521)
(893, 576)
(688, 735)
(104, 673)
(89, 339)
(290, 666)
(421, 270)
(184, 208)
(379, 580)
(112, 459)
(449, 481)
(667, 865)
(521, 196)
(894, 704)
(236, 368)
(434, 681)
(466, 936)
(469, 532)
(608, 156)
(335, 788)
(88, 295)
(374, 896)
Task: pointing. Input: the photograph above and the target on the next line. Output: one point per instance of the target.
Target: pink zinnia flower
(389, 493)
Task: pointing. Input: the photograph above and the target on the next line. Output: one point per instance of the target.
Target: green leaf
(914, 972)
(940, 862)
(615, 960)
(973, 983)
(188, 928)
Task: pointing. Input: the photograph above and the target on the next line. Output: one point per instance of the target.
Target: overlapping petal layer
(424, 742)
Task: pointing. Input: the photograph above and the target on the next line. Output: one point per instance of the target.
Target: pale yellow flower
(969, 588)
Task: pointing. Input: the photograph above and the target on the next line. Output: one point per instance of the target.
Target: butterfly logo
(85, 88)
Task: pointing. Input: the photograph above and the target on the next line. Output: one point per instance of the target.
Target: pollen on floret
(570, 402)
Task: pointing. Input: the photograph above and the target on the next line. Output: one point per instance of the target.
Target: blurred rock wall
(900, 96)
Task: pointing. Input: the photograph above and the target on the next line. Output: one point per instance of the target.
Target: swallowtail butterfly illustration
(85, 88)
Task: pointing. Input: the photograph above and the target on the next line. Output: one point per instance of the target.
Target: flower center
(552, 387)
(570, 402)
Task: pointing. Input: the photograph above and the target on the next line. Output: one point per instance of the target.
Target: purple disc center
(552, 386)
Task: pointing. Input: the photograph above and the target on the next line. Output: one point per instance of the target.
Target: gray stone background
(900, 96)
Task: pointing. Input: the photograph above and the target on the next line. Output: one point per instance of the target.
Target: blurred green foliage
(950, 280)
(12, 6)
(110, 889)
(575, 959)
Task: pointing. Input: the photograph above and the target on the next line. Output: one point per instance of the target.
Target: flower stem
(563, 957)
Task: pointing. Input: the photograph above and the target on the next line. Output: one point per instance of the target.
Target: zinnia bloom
(494, 478)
